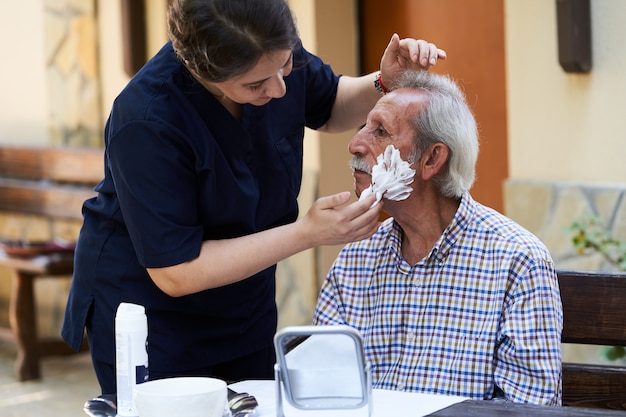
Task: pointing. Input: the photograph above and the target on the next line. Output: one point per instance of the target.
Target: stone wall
(547, 209)
(74, 96)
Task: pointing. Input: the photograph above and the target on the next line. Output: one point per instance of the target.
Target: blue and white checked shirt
(479, 317)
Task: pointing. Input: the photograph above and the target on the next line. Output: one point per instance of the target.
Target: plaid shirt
(479, 317)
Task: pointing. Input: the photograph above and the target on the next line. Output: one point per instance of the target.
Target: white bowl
(181, 396)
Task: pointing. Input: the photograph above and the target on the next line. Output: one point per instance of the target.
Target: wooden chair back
(594, 313)
(48, 181)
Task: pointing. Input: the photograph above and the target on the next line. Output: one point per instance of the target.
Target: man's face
(388, 123)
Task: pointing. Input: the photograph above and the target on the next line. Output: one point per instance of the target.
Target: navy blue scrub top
(179, 169)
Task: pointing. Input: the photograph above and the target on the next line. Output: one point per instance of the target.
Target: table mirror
(322, 368)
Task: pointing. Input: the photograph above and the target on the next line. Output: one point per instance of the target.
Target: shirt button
(400, 386)
(411, 336)
(417, 282)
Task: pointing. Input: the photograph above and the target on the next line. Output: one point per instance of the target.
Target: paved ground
(68, 381)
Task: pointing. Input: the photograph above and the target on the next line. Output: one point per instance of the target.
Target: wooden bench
(594, 313)
(47, 186)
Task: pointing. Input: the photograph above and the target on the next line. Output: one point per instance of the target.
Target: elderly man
(451, 297)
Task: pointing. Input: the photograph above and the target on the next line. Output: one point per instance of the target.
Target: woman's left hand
(408, 54)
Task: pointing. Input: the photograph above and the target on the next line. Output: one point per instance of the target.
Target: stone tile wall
(547, 209)
(74, 96)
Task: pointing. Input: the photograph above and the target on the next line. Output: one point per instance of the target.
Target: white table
(385, 403)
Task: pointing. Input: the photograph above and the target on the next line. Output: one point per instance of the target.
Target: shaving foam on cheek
(391, 177)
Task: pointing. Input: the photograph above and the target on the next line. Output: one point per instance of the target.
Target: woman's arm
(356, 96)
(328, 222)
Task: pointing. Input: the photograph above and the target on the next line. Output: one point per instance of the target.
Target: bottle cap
(130, 317)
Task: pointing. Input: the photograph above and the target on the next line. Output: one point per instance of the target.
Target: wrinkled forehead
(401, 104)
(406, 97)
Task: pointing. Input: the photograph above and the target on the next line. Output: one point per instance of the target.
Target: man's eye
(380, 131)
(255, 87)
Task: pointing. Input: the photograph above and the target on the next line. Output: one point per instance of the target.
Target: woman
(203, 164)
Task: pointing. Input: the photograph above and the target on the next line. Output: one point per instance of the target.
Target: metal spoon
(102, 406)
(241, 404)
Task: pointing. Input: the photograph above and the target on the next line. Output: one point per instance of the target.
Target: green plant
(614, 353)
(591, 235)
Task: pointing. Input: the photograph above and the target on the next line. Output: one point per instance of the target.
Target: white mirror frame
(284, 343)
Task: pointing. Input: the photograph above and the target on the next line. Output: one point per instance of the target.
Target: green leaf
(614, 353)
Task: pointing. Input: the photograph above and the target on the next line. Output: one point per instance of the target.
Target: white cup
(181, 396)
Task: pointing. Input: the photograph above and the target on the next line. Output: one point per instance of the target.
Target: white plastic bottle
(131, 356)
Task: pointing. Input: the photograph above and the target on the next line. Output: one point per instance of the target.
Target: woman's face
(260, 84)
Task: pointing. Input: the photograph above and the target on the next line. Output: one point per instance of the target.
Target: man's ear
(433, 160)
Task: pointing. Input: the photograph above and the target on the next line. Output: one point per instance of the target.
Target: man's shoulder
(506, 229)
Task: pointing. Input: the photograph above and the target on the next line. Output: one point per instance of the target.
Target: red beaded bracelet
(378, 83)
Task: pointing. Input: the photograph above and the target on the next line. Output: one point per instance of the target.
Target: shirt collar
(448, 238)
(460, 222)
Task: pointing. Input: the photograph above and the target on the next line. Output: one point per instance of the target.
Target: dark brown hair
(220, 39)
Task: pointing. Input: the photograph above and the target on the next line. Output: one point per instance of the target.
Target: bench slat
(42, 199)
(594, 386)
(80, 165)
(589, 297)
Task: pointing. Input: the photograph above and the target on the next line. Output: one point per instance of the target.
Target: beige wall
(304, 10)
(23, 107)
(565, 126)
(112, 72)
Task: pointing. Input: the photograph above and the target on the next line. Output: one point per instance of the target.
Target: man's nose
(357, 143)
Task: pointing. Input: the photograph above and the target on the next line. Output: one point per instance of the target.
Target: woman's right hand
(330, 221)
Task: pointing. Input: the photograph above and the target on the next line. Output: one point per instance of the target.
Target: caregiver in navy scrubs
(203, 164)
